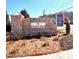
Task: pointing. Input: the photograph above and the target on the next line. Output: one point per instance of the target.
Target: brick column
(16, 26)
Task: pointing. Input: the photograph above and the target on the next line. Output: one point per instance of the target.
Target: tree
(8, 26)
(67, 28)
(24, 13)
(70, 16)
(7, 18)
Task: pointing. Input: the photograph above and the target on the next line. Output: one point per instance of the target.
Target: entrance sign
(59, 18)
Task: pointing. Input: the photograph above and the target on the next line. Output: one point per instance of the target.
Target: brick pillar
(16, 26)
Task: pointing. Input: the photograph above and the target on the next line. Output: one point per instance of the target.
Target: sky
(36, 7)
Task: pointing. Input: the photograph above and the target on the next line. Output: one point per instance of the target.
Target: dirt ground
(41, 46)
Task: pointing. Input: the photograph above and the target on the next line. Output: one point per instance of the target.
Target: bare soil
(41, 46)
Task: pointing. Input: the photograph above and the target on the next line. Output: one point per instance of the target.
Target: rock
(66, 42)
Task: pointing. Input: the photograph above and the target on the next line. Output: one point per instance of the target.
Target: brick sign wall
(20, 26)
